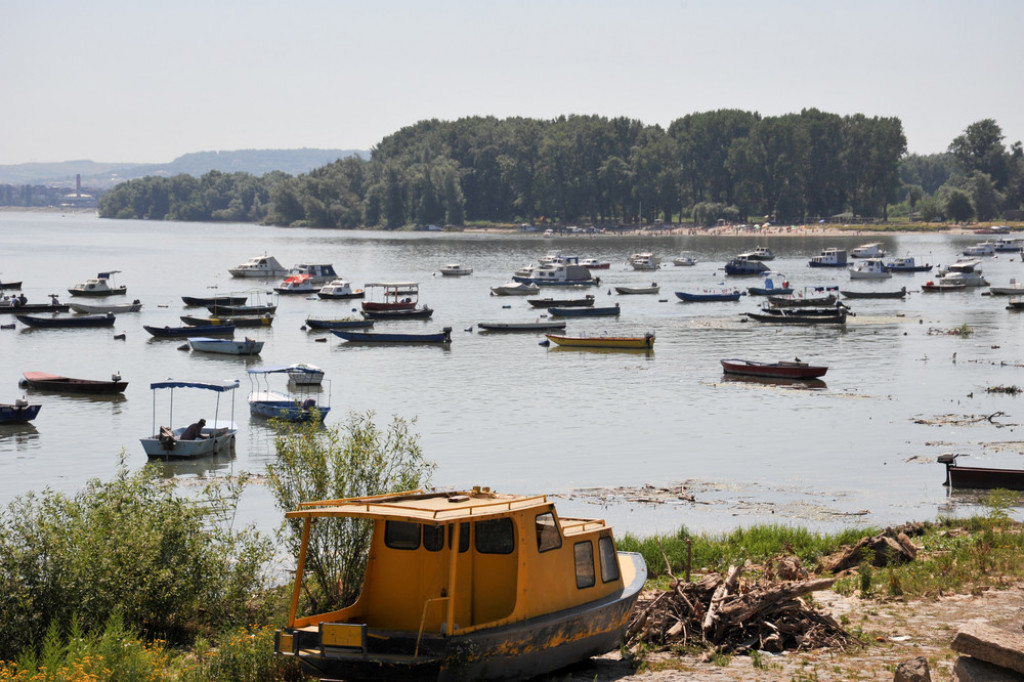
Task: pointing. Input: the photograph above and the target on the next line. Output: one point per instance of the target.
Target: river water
(501, 410)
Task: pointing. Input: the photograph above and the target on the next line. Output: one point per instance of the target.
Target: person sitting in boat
(194, 431)
(53, 299)
(19, 300)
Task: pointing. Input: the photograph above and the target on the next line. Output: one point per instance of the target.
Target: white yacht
(871, 250)
(261, 267)
(965, 272)
(870, 268)
(644, 260)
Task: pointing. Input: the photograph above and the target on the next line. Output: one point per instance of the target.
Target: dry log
(710, 618)
(748, 605)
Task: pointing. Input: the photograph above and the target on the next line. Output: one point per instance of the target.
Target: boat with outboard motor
(100, 285)
(300, 406)
(195, 440)
(18, 412)
(61, 384)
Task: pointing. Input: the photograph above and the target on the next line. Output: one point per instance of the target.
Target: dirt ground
(894, 631)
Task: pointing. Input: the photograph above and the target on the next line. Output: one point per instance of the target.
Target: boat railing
(576, 526)
(369, 507)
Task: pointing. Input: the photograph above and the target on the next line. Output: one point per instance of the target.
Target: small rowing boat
(444, 336)
(645, 342)
(54, 382)
(795, 369)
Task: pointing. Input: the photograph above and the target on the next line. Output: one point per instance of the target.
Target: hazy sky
(150, 80)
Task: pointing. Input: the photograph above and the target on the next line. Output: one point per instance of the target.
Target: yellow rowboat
(469, 585)
(644, 342)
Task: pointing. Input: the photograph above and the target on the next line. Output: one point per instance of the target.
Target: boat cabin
(473, 583)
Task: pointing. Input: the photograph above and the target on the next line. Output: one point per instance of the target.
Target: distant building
(77, 199)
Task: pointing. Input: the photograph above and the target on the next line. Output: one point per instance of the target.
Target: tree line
(727, 165)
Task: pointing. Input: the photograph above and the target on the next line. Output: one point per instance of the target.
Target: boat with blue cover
(18, 412)
(300, 406)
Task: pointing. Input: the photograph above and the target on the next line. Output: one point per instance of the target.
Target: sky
(149, 80)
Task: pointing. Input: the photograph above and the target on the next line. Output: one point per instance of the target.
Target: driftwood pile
(734, 616)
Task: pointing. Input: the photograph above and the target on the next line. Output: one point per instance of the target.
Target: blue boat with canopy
(300, 406)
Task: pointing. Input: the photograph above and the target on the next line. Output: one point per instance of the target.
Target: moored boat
(759, 253)
(685, 259)
(870, 268)
(901, 293)
(810, 298)
(981, 249)
(100, 309)
(339, 289)
(402, 314)
(980, 477)
(444, 336)
(207, 344)
(538, 326)
(204, 301)
(292, 407)
(604, 311)
(238, 321)
(20, 305)
(515, 289)
(555, 274)
(194, 330)
(709, 296)
(835, 315)
(100, 285)
(259, 267)
(829, 258)
(1015, 288)
(784, 369)
(304, 374)
(595, 264)
(525, 591)
(10, 285)
(644, 260)
(870, 250)
(343, 323)
(18, 412)
(54, 382)
(195, 440)
(319, 273)
(769, 289)
(61, 322)
(392, 296)
(586, 301)
(297, 284)
(645, 342)
(455, 270)
(741, 265)
(941, 287)
(652, 289)
(906, 264)
(967, 271)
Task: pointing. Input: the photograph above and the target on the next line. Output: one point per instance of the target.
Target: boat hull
(18, 414)
(67, 322)
(217, 441)
(288, 410)
(704, 298)
(800, 316)
(405, 314)
(35, 308)
(369, 337)
(243, 321)
(185, 332)
(522, 650)
(902, 293)
(981, 477)
(338, 324)
(202, 302)
(519, 326)
(561, 302)
(645, 342)
(226, 346)
(774, 370)
(52, 382)
(606, 311)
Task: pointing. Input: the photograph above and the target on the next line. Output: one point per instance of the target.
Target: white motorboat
(644, 260)
(225, 346)
(981, 249)
(304, 374)
(870, 268)
(117, 308)
(685, 259)
(560, 274)
(213, 438)
(1008, 245)
(297, 284)
(320, 273)
(294, 407)
(906, 264)
(870, 250)
(963, 272)
(759, 253)
(100, 285)
(339, 289)
(455, 270)
(515, 289)
(595, 264)
(1015, 288)
(829, 258)
(261, 267)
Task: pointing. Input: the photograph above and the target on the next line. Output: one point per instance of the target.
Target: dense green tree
(980, 148)
(958, 206)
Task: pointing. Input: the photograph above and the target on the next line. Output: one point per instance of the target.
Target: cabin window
(463, 537)
(495, 537)
(584, 552)
(548, 536)
(433, 538)
(401, 535)
(609, 560)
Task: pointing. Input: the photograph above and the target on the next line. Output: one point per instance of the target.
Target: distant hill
(105, 175)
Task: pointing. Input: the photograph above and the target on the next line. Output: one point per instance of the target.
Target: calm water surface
(500, 410)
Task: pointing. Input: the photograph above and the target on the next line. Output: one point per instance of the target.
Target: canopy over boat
(219, 386)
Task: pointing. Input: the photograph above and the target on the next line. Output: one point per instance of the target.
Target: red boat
(53, 382)
(980, 477)
(394, 296)
(794, 369)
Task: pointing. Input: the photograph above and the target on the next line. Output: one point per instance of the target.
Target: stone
(967, 669)
(913, 670)
(992, 645)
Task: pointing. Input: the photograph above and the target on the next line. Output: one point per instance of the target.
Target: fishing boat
(800, 315)
(906, 264)
(259, 267)
(586, 301)
(829, 258)
(709, 296)
(604, 311)
(1015, 288)
(238, 321)
(980, 477)
(292, 407)
(455, 270)
(242, 310)
(740, 265)
(444, 336)
(625, 291)
(207, 344)
(100, 285)
(61, 322)
(759, 253)
(769, 289)
(392, 296)
(901, 293)
(784, 369)
(54, 382)
(810, 298)
(404, 314)
(195, 330)
(343, 323)
(20, 305)
(215, 438)
(18, 412)
(595, 264)
(86, 309)
(555, 274)
(644, 260)
(204, 301)
(297, 284)
(515, 289)
(870, 250)
(685, 259)
(10, 285)
(304, 374)
(339, 289)
(472, 585)
(932, 287)
(870, 268)
(538, 326)
(645, 342)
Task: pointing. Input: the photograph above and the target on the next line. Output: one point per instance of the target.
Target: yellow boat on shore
(645, 342)
(467, 585)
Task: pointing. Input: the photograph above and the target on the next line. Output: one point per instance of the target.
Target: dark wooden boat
(34, 308)
(604, 311)
(53, 382)
(68, 322)
(538, 326)
(240, 321)
(794, 369)
(585, 302)
(444, 336)
(800, 315)
(204, 301)
(241, 310)
(708, 297)
(902, 293)
(185, 332)
(802, 301)
(10, 285)
(346, 323)
(980, 477)
(1015, 304)
(400, 314)
(19, 412)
